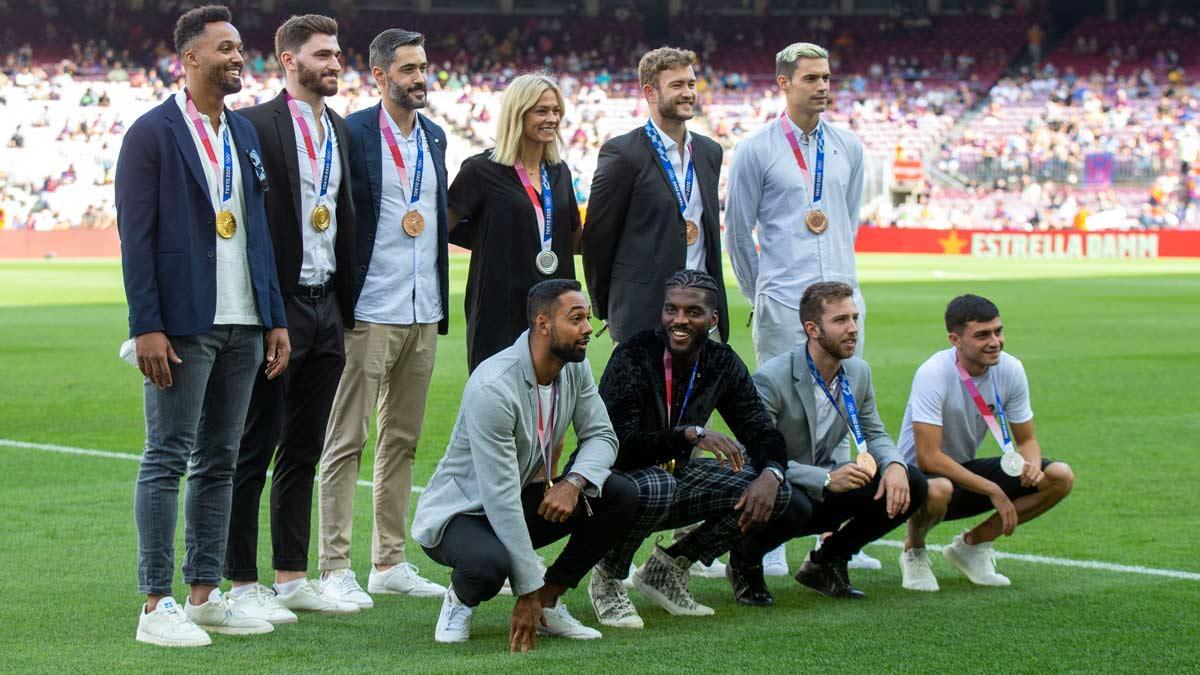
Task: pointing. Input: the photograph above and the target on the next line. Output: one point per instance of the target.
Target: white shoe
(560, 623)
(862, 561)
(665, 581)
(506, 589)
(916, 572)
(628, 580)
(775, 562)
(343, 585)
(403, 579)
(698, 569)
(454, 621)
(311, 597)
(259, 602)
(611, 602)
(977, 562)
(218, 616)
(169, 626)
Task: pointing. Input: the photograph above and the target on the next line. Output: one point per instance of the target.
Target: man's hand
(526, 616)
(279, 350)
(1004, 507)
(757, 502)
(1031, 474)
(154, 356)
(727, 451)
(894, 484)
(560, 502)
(848, 477)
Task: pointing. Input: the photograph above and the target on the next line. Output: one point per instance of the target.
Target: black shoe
(828, 578)
(749, 586)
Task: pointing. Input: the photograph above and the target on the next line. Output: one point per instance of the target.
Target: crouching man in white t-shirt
(959, 397)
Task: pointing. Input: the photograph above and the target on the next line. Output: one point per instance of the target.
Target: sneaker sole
(957, 563)
(149, 639)
(285, 621)
(227, 630)
(919, 590)
(661, 600)
(775, 571)
(455, 641)
(865, 566)
(545, 632)
(633, 621)
(412, 594)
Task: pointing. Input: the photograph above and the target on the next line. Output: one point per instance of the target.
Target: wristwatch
(828, 480)
(777, 473)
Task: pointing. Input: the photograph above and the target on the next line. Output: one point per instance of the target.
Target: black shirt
(634, 390)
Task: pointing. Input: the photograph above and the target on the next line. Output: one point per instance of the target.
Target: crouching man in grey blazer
(497, 493)
(817, 394)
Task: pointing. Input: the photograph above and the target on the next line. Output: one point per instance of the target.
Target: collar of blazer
(802, 380)
(287, 147)
(242, 140)
(703, 177)
(373, 151)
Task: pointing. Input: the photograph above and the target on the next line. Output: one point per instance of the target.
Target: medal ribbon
(682, 197)
(227, 154)
(851, 416)
(546, 435)
(398, 159)
(999, 428)
(670, 377)
(323, 188)
(543, 209)
(817, 179)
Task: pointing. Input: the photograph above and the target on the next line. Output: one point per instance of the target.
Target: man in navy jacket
(202, 290)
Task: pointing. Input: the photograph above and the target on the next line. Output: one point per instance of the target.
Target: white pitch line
(1023, 557)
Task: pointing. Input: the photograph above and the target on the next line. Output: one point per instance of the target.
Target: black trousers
(286, 421)
(480, 563)
(865, 519)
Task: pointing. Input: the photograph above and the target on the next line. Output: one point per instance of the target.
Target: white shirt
(939, 398)
(695, 205)
(318, 261)
(401, 287)
(827, 415)
(235, 293)
(768, 193)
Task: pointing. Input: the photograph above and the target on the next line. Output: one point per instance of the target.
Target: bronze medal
(321, 218)
(226, 224)
(693, 232)
(414, 223)
(816, 221)
(867, 463)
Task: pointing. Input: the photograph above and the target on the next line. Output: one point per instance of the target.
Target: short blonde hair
(785, 60)
(663, 58)
(520, 97)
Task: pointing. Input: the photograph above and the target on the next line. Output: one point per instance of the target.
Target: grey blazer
(785, 386)
(493, 453)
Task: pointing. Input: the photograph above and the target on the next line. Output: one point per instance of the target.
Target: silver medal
(1012, 463)
(547, 262)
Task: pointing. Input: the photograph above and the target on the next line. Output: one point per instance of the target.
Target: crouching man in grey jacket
(497, 494)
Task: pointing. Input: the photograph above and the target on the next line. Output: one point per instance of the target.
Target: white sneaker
(665, 581)
(259, 602)
(775, 562)
(916, 572)
(169, 626)
(343, 585)
(628, 580)
(218, 616)
(611, 602)
(560, 623)
(862, 561)
(698, 569)
(506, 589)
(977, 562)
(454, 621)
(403, 579)
(310, 596)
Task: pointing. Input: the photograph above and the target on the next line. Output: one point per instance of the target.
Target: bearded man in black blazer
(653, 208)
(311, 217)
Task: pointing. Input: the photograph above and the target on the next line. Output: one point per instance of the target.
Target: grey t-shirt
(938, 397)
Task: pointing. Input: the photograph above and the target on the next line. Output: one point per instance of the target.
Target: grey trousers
(193, 427)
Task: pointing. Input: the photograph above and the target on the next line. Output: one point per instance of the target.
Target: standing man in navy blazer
(311, 217)
(398, 179)
(202, 291)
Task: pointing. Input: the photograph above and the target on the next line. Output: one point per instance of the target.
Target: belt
(314, 293)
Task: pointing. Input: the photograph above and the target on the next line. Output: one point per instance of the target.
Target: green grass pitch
(1110, 348)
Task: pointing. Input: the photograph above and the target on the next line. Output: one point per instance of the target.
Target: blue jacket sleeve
(137, 189)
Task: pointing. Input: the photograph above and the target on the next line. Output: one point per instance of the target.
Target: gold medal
(816, 221)
(320, 218)
(867, 463)
(414, 223)
(226, 224)
(693, 232)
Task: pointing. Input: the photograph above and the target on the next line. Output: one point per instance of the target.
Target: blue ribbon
(328, 162)
(547, 207)
(227, 170)
(847, 397)
(418, 170)
(819, 168)
(661, 149)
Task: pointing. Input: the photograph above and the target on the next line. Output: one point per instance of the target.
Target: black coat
(635, 237)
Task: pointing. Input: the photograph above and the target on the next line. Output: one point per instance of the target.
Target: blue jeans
(193, 426)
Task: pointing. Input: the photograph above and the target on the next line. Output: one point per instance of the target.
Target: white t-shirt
(546, 394)
(938, 397)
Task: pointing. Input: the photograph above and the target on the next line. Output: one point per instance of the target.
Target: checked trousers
(701, 491)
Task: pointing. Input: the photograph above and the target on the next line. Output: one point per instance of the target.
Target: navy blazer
(366, 181)
(168, 227)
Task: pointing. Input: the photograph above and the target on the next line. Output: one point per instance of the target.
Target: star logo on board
(953, 245)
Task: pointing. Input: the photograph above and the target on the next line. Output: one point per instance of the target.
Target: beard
(667, 110)
(221, 78)
(832, 347)
(565, 351)
(313, 81)
(403, 96)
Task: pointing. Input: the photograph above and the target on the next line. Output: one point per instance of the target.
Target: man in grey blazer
(817, 394)
(497, 493)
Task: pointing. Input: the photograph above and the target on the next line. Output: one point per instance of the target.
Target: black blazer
(273, 122)
(366, 164)
(635, 236)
